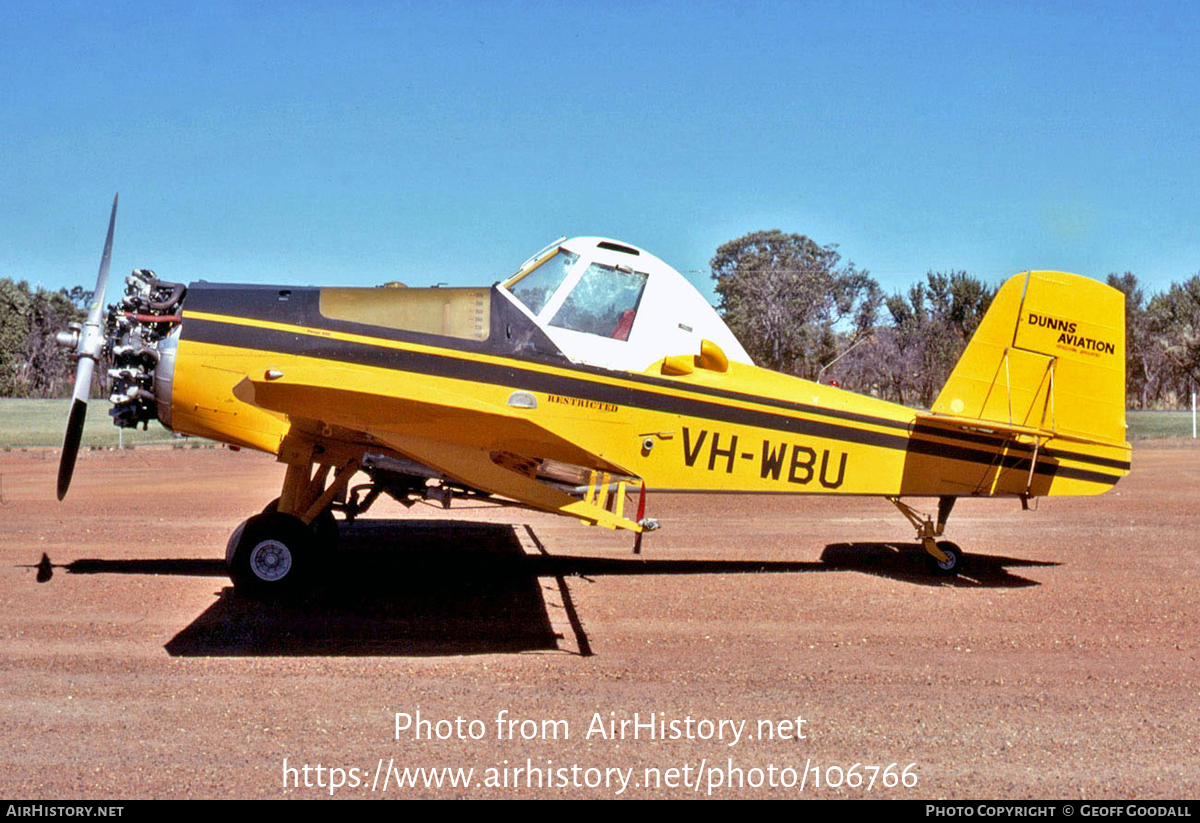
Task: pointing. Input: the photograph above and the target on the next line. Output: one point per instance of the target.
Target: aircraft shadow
(396, 588)
(906, 562)
(417, 588)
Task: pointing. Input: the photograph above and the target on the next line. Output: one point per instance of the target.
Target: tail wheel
(272, 554)
(324, 526)
(950, 567)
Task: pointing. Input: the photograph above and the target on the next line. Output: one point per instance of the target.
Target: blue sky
(356, 142)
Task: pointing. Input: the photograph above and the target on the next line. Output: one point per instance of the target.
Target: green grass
(36, 423)
(1149, 425)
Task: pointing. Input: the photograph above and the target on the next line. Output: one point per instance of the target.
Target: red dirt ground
(1063, 665)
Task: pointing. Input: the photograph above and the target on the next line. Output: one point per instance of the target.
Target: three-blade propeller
(88, 348)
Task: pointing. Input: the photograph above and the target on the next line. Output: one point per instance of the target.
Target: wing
(482, 445)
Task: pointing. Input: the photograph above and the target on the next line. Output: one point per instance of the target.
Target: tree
(1144, 360)
(14, 329)
(31, 364)
(1174, 324)
(933, 325)
(788, 302)
(910, 359)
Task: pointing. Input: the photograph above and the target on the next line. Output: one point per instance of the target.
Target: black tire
(324, 525)
(950, 569)
(273, 556)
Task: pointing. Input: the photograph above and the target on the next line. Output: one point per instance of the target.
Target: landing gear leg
(324, 525)
(943, 558)
(277, 552)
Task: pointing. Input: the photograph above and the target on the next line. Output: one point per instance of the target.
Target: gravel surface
(1064, 664)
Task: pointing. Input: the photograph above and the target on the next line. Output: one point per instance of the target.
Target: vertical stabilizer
(1049, 355)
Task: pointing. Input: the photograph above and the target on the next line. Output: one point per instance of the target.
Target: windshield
(603, 302)
(536, 287)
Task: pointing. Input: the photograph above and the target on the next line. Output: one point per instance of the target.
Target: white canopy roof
(609, 304)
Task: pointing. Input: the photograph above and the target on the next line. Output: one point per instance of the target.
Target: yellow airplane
(593, 375)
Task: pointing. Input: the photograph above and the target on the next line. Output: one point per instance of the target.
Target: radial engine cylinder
(141, 334)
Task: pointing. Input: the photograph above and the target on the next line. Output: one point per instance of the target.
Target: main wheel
(272, 554)
(324, 526)
(947, 568)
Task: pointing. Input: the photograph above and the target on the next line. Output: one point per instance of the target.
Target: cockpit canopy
(609, 304)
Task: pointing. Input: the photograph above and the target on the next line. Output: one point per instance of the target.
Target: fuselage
(740, 429)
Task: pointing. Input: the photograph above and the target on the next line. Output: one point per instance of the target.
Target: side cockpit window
(603, 302)
(535, 288)
(462, 313)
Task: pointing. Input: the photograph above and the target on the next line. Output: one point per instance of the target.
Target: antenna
(852, 347)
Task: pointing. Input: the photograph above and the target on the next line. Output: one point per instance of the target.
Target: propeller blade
(97, 305)
(70, 448)
(66, 464)
(91, 342)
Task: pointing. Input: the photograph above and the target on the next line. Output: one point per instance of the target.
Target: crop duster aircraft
(593, 375)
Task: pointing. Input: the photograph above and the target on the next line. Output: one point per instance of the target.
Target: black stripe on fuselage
(517, 376)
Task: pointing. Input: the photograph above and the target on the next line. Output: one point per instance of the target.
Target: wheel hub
(270, 560)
